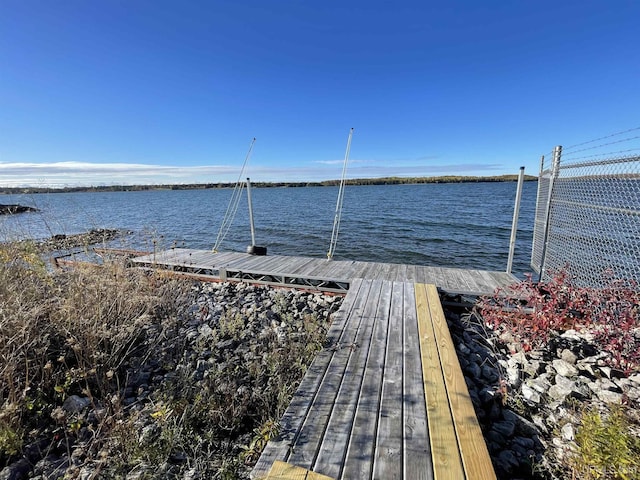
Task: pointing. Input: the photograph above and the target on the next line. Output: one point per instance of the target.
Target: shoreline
(222, 185)
(222, 361)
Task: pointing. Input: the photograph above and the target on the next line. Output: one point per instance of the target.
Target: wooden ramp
(317, 273)
(385, 399)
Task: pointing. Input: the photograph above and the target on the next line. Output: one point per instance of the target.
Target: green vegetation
(606, 448)
(326, 183)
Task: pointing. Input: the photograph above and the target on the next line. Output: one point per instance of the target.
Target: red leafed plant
(535, 312)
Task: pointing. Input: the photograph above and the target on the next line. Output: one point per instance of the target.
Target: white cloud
(61, 174)
(340, 162)
(84, 173)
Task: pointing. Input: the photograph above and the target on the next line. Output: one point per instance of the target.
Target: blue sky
(125, 92)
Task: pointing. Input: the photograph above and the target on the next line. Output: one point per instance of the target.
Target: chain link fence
(587, 220)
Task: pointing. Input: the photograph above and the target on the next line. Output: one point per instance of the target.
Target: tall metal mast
(338, 215)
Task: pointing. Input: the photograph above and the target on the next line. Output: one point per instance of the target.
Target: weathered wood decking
(385, 399)
(319, 273)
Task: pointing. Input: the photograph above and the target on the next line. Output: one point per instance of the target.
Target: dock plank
(333, 449)
(359, 268)
(303, 267)
(310, 437)
(298, 410)
(444, 447)
(360, 453)
(411, 274)
(470, 441)
(400, 273)
(385, 399)
(388, 459)
(286, 471)
(456, 277)
(471, 282)
(416, 446)
(278, 264)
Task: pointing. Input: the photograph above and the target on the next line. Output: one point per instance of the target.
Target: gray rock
(508, 461)
(532, 368)
(191, 474)
(87, 472)
(562, 388)
(205, 331)
(149, 434)
(226, 344)
(504, 428)
(16, 471)
(568, 356)
(572, 335)
(606, 371)
(474, 371)
(513, 377)
(51, 466)
(568, 432)
(538, 421)
(517, 359)
(140, 472)
(75, 404)
(541, 384)
(490, 374)
(586, 369)
(564, 368)
(529, 394)
(635, 378)
(608, 396)
(602, 384)
(633, 393)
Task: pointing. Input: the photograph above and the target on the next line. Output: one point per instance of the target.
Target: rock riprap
(528, 403)
(194, 392)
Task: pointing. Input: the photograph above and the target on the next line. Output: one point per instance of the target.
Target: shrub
(534, 312)
(606, 448)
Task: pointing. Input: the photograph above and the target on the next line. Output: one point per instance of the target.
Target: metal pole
(253, 230)
(338, 215)
(514, 224)
(536, 227)
(555, 168)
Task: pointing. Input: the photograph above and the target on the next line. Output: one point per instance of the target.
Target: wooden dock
(318, 273)
(385, 399)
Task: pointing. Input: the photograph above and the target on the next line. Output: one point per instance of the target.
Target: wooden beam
(471, 444)
(447, 463)
(285, 471)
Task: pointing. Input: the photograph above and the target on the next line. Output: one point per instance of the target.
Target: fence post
(535, 215)
(555, 168)
(514, 224)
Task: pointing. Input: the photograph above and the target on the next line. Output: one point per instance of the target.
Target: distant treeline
(326, 183)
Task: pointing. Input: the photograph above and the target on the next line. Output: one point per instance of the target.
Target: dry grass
(86, 331)
(66, 333)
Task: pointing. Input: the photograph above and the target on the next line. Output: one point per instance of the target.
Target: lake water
(464, 225)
